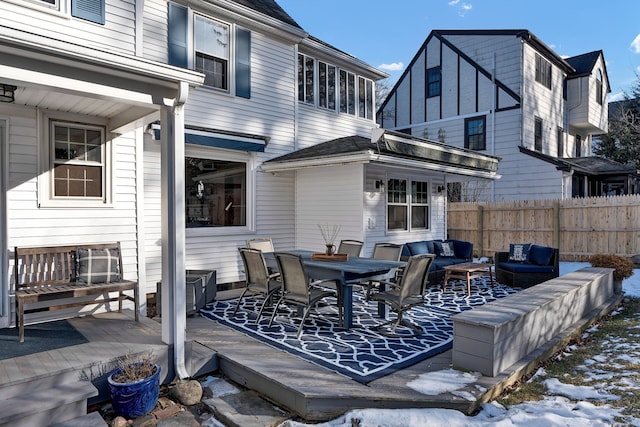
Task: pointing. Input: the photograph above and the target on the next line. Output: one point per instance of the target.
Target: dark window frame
(543, 71)
(478, 139)
(538, 134)
(434, 81)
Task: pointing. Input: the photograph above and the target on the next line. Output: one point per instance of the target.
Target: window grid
(212, 51)
(406, 211)
(78, 161)
(434, 79)
(475, 133)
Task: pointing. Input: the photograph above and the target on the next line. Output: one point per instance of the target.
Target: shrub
(622, 265)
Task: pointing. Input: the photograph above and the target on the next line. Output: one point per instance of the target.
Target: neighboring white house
(506, 93)
(168, 125)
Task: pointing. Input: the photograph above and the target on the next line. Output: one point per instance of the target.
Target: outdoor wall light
(380, 185)
(440, 188)
(7, 93)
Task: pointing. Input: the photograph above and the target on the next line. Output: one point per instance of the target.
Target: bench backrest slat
(50, 265)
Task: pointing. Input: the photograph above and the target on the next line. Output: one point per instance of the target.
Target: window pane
(420, 192)
(301, 78)
(77, 181)
(397, 217)
(369, 100)
(343, 91)
(362, 109)
(419, 217)
(308, 78)
(351, 93)
(322, 84)
(215, 193)
(331, 88)
(212, 37)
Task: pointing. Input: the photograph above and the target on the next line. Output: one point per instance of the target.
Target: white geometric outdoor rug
(361, 353)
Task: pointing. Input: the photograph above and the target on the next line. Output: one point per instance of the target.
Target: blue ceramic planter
(133, 400)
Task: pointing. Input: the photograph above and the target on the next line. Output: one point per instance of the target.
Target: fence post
(556, 224)
(480, 234)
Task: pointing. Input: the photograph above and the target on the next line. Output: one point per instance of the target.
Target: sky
(564, 405)
(387, 34)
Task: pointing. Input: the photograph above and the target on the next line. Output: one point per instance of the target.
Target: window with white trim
(212, 51)
(218, 49)
(74, 162)
(90, 10)
(407, 205)
(324, 85)
(217, 189)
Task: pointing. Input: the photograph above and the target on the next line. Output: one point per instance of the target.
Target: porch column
(173, 232)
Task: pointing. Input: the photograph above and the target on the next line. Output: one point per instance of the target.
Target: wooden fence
(578, 227)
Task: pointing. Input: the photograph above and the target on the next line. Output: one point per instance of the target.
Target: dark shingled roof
(599, 165)
(269, 8)
(584, 63)
(430, 152)
(346, 145)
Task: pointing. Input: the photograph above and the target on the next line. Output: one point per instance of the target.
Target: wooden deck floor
(301, 387)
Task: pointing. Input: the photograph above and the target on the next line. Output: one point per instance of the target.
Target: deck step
(48, 405)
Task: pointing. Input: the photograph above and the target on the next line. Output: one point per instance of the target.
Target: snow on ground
(558, 408)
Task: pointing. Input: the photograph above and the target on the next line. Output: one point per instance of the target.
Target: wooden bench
(492, 337)
(48, 275)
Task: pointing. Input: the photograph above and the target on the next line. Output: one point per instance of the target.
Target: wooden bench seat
(48, 276)
(492, 337)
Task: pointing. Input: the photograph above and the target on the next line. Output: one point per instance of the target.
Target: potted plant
(623, 267)
(135, 385)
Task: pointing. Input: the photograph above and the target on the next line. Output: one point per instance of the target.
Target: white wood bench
(47, 275)
(491, 338)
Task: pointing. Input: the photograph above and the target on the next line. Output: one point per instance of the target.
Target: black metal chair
(259, 280)
(350, 247)
(297, 289)
(383, 251)
(408, 292)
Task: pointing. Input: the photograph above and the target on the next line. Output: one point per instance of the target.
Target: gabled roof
(585, 63)
(392, 148)
(592, 165)
(441, 35)
(269, 8)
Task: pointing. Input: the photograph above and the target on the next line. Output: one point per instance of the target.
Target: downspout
(493, 120)
(173, 230)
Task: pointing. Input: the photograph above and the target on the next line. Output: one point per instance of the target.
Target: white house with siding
(506, 93)
(167, 126)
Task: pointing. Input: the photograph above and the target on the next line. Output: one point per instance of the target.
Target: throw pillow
(446, 249)
(97, 265)
(519, 252)
(541, 255)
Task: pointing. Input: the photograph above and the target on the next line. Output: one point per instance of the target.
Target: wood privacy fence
(578, 227)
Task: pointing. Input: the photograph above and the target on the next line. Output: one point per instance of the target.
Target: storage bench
(52, 275)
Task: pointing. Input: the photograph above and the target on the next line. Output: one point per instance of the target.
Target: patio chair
(265, 244)
(259, 280)
(297, 289)
(384, 251)
(408, 292)
(350, 247)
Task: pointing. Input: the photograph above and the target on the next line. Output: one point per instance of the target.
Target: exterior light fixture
(7, 93)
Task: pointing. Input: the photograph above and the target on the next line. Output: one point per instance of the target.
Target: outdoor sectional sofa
(448, 252)
(525, 268)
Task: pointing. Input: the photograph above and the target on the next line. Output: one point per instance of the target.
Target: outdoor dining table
(346, 274)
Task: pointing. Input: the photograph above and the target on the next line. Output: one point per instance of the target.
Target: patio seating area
(302, 386)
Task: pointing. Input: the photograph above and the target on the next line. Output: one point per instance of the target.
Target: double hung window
(212, 51)
(475, 133)
(407, 205)
(434, 79)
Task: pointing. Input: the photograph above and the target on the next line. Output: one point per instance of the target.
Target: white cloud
(394, 66)
(635, 44)
(462, 7)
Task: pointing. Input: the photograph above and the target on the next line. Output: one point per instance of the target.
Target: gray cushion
(97, 265)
